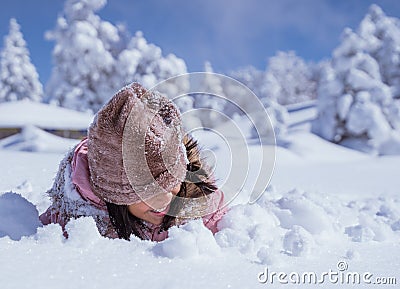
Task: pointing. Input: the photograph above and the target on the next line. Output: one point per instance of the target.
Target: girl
(135, 173)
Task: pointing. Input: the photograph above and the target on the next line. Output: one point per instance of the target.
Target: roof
(18, 114)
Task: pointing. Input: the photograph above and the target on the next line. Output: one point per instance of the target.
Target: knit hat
(135, 147)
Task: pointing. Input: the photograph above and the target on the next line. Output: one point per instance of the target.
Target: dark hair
(127, 224)
(124, 223)
(198, 184)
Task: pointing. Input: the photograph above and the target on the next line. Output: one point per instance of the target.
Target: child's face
(161, 203)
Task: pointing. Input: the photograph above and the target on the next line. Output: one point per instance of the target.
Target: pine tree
(357, 101)
(18, 76)
(84, 75)
(94, 58)
(143, 62)
(266, 88)
(209, 102)
(254, 79)
(290, 78)
(382, 37)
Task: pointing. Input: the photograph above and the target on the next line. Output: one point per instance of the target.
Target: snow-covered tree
(94, 58)
(209, 102)
(254, 79)
(84, 74)
(258, 82)
(18, 76)
(356, 106)
(145, 63)
(382, 37)
(290, 79)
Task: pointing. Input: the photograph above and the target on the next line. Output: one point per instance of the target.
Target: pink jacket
(80, 176)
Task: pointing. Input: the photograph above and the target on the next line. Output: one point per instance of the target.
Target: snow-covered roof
(25, 112)
(33, 139)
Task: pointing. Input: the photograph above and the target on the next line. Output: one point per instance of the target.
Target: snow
(18, 216)
(93, 58)
(298, 241)
(326, 203)
(192, 240)
(290, 78)
(357, 92)
(327, 207)
(18, 76)
(301, 114)
(22, 113)
(33, 139)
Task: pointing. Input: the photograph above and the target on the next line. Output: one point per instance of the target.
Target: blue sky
(228, 33)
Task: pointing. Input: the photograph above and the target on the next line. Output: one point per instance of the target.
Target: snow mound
(296, 208)
(249, 229)
(377, 220)
(33, 139)
(298, 224)
(82, 232)
(298, 241)
(18, 216)
(188, 241)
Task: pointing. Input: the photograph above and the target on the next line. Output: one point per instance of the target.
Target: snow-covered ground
(326, 207)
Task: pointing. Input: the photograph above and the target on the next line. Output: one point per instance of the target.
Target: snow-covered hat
(135, 147)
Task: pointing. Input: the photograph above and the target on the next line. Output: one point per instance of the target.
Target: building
(16, 115)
